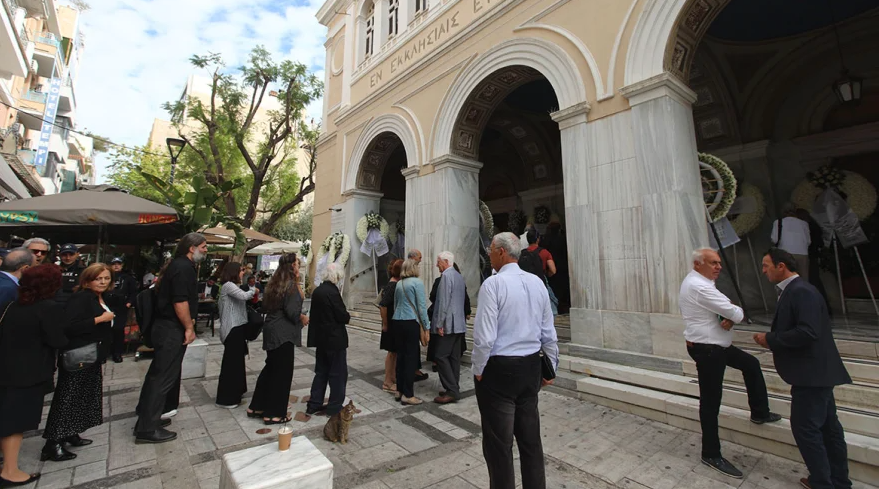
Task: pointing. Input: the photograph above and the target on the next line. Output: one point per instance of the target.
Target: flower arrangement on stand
(487, 219)
(517, 221)
(857, 190)
(746, 222)
(305, 252)
(542, 214)
(337, 246)
(397, 228)
(718, 186)
(372, 221)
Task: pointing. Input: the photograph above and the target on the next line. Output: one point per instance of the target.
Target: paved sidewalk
(391, 446)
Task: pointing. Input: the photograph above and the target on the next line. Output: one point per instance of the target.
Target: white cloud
(137, 54)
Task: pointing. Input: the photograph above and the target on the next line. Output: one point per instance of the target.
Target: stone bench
(195, 360)
(303, 466)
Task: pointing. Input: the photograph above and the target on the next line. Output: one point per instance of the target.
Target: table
(303, 466)
(208, 301)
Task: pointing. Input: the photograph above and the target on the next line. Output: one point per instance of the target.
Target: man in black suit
(15, 263)
(806, 358)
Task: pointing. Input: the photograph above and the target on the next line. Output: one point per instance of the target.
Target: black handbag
(255, 322)
(80, 358)
(546, 368)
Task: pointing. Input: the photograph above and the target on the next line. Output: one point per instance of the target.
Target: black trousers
(711, 362)
(330, 367)
(163, 374)
(233, 378)
(172, 400)
(117, 334)
(448, 361)
(272, 393)
(507, 398)
(408, 355)
(819, 437)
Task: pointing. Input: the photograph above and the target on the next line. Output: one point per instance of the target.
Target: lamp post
(178, 144)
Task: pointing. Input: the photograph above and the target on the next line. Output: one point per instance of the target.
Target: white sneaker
(230, 406)
(170, 414)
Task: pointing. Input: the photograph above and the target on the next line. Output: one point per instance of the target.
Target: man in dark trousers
(71, 267)
(173, 329)
(806, 358)
(124, 294)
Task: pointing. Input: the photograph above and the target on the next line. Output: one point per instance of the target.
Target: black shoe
(164, 423)
(423, 376)
(161, 435)
(76, 441)
(772, 418)
(723, 466)
(311, 411)
(434, 368)
(55, 452)
(117, 358)
(5, 483)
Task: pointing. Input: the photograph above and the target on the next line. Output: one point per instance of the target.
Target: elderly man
(514, 323)
(709, 317)
(15, 263)
(327, 333)
(449, 325)
(39, 247)
(414, 255)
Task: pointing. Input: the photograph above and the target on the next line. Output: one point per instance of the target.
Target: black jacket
(327, 319)
(82, 309)
(29, 336)
(8, 290)
(124, 292)
(801, 339)
(69, 281)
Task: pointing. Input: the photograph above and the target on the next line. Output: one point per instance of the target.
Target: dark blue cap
(68, 248)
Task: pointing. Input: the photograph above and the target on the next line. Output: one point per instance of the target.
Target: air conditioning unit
(35, 66)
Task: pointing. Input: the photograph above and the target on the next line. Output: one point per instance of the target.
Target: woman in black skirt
(386, 343)
(30, 331)
(233, 333)
(77, 404)
(281, 335)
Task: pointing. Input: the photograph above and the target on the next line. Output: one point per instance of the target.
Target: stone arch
(524, 56)
(374, 146)
(666, 37)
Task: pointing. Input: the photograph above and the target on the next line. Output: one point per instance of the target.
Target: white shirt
(513, 318)
(795, 235)
(108, 310)
(701, 304)
(783, 284)
(208, 290)
(148, 278)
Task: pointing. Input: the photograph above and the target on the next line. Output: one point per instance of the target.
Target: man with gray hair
(514, 323)
(15, 263)
(39, 247)
(414, 255)
(449, 324)
(709, 317)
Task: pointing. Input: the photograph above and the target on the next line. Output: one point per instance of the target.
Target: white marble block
(265, 467)
(195, 360)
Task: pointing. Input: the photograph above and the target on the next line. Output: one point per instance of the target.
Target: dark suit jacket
(29, 336)
(327, 319)
(8, 290)
(215, 290)
(82, 309)
(801, 339)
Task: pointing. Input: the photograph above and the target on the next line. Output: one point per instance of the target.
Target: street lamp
(173, 143)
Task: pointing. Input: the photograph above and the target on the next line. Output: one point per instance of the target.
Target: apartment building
(40, 50)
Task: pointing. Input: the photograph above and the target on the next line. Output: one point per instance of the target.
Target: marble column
(421, 197)
(673, 213)
(356, 204)
(456, 215)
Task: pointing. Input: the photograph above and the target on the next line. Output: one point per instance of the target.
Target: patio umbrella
(250, 234)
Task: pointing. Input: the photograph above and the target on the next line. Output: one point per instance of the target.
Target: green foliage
(126, 167)
(295, 227)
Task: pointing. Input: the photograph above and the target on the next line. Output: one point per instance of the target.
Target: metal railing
(27, 156)
(48, 40)
(34, 96)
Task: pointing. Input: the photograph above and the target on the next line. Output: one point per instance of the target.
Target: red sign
(156, 219)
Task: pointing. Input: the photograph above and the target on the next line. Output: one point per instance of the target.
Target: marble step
(861, 370)
(735, 426)
(855, 419)
(847, 348)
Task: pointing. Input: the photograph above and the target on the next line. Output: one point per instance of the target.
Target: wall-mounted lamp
(335, 209)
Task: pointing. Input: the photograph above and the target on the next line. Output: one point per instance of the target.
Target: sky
(137, 54)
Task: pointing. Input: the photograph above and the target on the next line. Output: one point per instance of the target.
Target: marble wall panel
(586, 327)
(616, 185)
(599, 142)
(629, 331)
(620, 232)
(624, 285)
(575, 168)
(353, 209)
(463, 242)
(583, 237)
(668, 336)
(458, 197)
(622, 136)
(665, 146)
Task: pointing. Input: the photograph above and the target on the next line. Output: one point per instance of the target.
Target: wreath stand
(863, 273)
(374, 270)
(722, 253)
(756, 270)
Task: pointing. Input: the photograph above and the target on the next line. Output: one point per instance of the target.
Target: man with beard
(173, 328)
(71, 267)
(124, 294)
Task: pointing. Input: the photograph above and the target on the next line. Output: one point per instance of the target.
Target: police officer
(123, 297)
(71, 267)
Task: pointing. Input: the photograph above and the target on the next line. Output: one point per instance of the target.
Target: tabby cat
(336, 429)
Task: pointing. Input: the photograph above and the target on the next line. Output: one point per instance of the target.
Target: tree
(222, 130)
(296, 227)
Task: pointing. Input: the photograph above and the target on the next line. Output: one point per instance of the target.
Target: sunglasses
(40, 252)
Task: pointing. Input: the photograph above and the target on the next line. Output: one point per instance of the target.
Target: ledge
(662, 85)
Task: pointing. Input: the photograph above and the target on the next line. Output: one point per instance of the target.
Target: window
(420, 6)
(393, 17)
(370, 30)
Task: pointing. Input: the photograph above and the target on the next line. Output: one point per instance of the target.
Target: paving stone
(55, 480)
(90, 472)
(200, 445)
(373, 456)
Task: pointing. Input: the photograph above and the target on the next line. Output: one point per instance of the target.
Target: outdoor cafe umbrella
(77, 217)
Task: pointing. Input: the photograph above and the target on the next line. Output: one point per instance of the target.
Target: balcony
(27, 156)
(34, 101)
(46, 53)
(12, 57)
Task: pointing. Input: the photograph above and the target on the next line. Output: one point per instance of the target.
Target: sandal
(6, 483)
(272, 421)
(391, 388)
(253, 414)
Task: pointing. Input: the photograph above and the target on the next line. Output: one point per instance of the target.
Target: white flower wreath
(517, 220)
(718, 185)
(396, 228)
(369, 221)
(305, 252)
(542, 214)
(860, 194)
(487, 218)
(746, 222)
(338, 246)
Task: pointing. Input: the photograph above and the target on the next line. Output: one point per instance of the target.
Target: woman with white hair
(327, 334)
(411, 325)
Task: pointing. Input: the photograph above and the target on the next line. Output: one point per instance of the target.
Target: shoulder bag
(80, 358)
(423, 334)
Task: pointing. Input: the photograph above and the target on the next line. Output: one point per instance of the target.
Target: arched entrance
(505, 125)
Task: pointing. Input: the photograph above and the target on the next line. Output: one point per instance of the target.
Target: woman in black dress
(77, 404)
(30, 331)
(281, 334)
(386, 343)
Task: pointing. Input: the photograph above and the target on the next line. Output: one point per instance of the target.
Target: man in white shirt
(514, 323)
(795, 238)
(709, 317)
